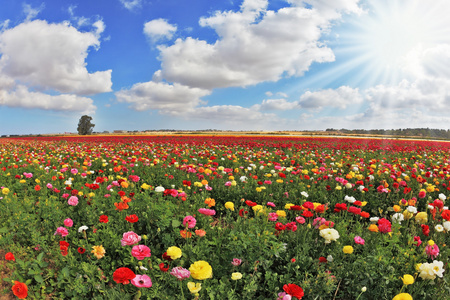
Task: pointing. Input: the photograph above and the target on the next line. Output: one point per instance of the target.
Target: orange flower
(320, 208)
(204, 182)
(121, 206)
(124, 184)
(210, 201)
(185, 234)
(412, 202)
(20, 290)
(200, 232)
(125, 199)
(37, 188)
(373, 228)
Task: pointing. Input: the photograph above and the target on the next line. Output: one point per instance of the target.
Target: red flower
(307, 214)
(81, 250)
(308, 204)
(279, 226)
(63, 245)
(446, 215)
(295, 207)
(37, 188)
(425, 230)
(322, 259)
(384, 225)
(242, 212)
(123, 275)
(354, 210)
(121, 193)
(294, 290)
(162, 268)
(132, 218)
(20, 290)
(340, 206)
(250, 203)
(103, 219)
(10, 256)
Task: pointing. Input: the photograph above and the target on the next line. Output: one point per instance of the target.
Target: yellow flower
(407, 279)
(236, 276)
(421, 217)
(288, 205)
(348, 249)
(98, 251)
(174, 252)
(373, 228)
(5, 191)
(403, 296)
(229, 205)
(431, 242)
(200, 270)
(145, 186)
(194, 288)
(257, 208)
(397, 208)
(281, 213)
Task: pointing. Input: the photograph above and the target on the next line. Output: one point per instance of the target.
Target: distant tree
(85, 126)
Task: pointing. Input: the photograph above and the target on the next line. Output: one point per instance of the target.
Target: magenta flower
(140, 252)
(130, 238)
(62, 231)
(49, 185)
(207, 211)
(417, 239)
(74, 171)
(359, 240)
(68, 222)
(270, 204)
(236, 262)
(190, 221)
(432, 251)
(141, 281)
(180, 273)
(273, 217)
(300, 220)
(73, 201)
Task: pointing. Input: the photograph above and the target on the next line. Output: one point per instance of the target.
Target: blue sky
(229, 65)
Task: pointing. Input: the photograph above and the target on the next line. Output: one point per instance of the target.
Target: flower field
(224, 217)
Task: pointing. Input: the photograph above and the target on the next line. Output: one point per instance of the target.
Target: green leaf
(38, 278)
(65, 272)
(176, 223)
(3, 230)
(40, 256)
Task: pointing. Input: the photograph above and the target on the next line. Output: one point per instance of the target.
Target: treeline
(417, 132)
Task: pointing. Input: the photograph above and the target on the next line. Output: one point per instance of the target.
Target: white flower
(329, 234)
(361, 188)
(442, 197)
(374, 219)
(83, 228)
(363, 289)
(430, 207)
(426, 271)
(143, 268)
(446, 225)
(159, 189)
(350, 199)
(438, 267)
(439, 228)
(243, 178)
(330, 258)
(412, 209)
(304, 194)
(397, 218)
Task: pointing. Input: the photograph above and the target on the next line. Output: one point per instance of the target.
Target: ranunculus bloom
(123, 275)
(103, 219)
(272, 217)
(294, 290)
(229, 205)
(132, 218)
(10, 256)
(190, 221)
(384, 225)
(193, 287)
(407, 279)
(236, 262)
(81, 250)
(98, 251)
(61, 231)
(300, 220)
(200, 270)
(130, 238)
(180, 273)
(329, 234)
(200, 232)
(403, 296)
(68, 222)
(417, 239)
(141, 281)
(432, 251)
(20, 289)
(140, 252)
(174, 252)
(425, 229)
(348, 249)
(236, 276)
(207, 211)
(73, 200)
(421, 217)
(359, 240)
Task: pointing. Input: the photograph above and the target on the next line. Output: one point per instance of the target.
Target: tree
(85, 126)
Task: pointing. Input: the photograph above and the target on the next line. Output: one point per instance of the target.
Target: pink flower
(140, 252)
(384, 225)
(68, 222)
(318, 222)
(300, 220)
(267, 182)
(73, 201)
(359, 240)
(190, 221)
(417, 239)
(49, 185)
(207, 211)
(271, 204)
(130, 238)
(432, 251)
(62, 231)
(28, 175)
(65, 195)
(180, 273)
(284, 296)
(422, 194)
(141, 281)
(228, 183)
(74, 171)
(273, 216)
(236, 262)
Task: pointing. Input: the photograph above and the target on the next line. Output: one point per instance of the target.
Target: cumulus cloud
(52, 56)
(131, 4)
(276, 104)
(20, 96)
(340, 97)
(175, 98)
(254, 45)
(159, 29)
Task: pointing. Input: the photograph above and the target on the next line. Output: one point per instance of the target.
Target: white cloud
(4, 25)
(255, 45)
(22, 97)
(341, 97)
(159, 29)
(32, 12)
(276, 104)
(131, 4)
(162, 96)
(52, 56)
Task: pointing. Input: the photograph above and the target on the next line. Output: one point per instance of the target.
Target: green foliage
(85, 126)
